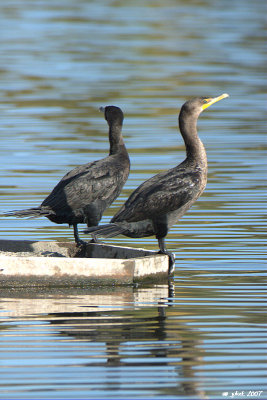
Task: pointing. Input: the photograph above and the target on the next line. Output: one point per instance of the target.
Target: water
(204, 336)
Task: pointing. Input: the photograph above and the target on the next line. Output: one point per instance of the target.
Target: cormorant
(85, 192)
(162, 200)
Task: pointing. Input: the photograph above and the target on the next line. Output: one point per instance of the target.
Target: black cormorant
(162, 200)
(85, 192)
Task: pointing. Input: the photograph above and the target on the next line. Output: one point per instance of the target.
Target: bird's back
(85, 192)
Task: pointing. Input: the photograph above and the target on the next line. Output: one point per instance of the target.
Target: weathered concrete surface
(29, 263)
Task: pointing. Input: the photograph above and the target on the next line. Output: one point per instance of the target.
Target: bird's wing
(83, 185)
(163, 193)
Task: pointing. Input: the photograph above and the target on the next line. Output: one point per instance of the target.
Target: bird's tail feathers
(108, 230)
(29, 213)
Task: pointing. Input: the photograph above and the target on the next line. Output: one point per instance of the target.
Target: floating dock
(25, 263)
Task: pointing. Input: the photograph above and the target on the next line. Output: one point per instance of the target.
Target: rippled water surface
(204, 334)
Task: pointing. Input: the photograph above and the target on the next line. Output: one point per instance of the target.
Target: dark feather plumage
(162, 200)
(85, 192)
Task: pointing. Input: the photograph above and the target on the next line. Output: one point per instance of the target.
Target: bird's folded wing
(158, 196)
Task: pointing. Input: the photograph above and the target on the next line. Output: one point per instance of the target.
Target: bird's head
(199, 104)
(112, 114)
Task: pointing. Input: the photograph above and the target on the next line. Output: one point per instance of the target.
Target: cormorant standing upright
(85, 192)
(162, 200)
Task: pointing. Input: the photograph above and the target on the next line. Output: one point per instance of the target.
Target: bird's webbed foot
(171, 256)
(80, 243)
(171, 260)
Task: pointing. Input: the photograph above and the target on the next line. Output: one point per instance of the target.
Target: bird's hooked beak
(213, 100)
(102, 109)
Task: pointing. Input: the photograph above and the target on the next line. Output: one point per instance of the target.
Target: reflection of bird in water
(151, 340)
(162, 200)
(84, 193)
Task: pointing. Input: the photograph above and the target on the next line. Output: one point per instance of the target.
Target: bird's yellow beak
(213, 100)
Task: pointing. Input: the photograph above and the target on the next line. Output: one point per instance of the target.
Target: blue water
(204, 336)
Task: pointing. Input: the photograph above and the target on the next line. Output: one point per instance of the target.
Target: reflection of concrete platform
(42, 301)
(26, 263)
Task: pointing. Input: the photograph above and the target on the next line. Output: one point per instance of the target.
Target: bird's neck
(195, 149)
(115, 139)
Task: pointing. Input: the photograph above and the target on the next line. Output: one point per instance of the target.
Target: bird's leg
(162, 246)
(163, 250)
(78, 241)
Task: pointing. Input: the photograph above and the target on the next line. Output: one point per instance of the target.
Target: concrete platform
(26, 263)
